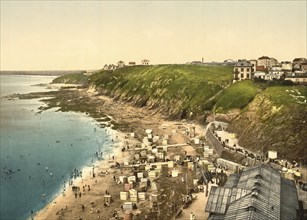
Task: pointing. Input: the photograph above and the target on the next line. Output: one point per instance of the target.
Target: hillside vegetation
(179, 91)
(74, 78)
(238, 95)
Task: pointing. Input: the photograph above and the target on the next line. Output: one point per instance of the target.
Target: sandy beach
(88, 202)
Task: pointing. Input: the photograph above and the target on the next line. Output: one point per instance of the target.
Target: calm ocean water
(30, 142)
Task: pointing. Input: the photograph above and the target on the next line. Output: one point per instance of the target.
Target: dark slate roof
(289, 199)
(264, 58)
(243, 63)
(216, 217)
(258, 192)
(232, 180)
(301, 59)
(218, 200)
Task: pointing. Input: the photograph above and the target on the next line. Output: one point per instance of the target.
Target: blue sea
(33, 145)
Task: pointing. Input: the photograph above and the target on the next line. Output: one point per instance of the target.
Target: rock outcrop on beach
(265, 115)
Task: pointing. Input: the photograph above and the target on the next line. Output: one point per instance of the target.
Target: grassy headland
(179, 90)
(74, 78)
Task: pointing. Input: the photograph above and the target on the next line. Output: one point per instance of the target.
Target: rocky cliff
(275, 120)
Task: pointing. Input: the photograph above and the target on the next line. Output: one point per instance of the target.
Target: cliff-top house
(120, 64)
(286, 66)
(109, 67)
(298, 77)
(242, 70)
(276, 72)
(145, 62)
(297, 64)
(264, 63)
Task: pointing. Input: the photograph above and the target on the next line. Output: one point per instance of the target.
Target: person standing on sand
(192, 216)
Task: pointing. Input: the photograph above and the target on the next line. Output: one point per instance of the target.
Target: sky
(71, 35)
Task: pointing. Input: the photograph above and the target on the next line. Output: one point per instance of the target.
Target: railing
(214, 142)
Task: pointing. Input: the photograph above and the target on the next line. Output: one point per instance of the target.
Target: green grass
(75, 78)
(187, 86)
(286, 95)
(237, 96)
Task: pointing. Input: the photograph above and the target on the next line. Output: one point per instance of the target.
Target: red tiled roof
(261, 68)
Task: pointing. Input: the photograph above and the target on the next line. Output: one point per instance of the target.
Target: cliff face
(177, 91)
(275, 120)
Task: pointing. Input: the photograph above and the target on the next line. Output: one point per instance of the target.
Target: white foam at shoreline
(87, 170)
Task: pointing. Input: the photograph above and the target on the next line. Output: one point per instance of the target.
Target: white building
(276, 72)
(299, 77)
(242, 70)
(109, 67)
(266, 62)
(286, 66)
(297, 62)
(261, 75)
(254, 65)
(145, 62)
(106, 67)
(120, 64)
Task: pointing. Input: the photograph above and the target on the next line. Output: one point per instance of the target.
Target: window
(242, 75)
(259, 176)
(242, 69)
(247, 69)
(256, 184)
(251, 208)
(254, 195)
(255, 189)
(247, 75)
